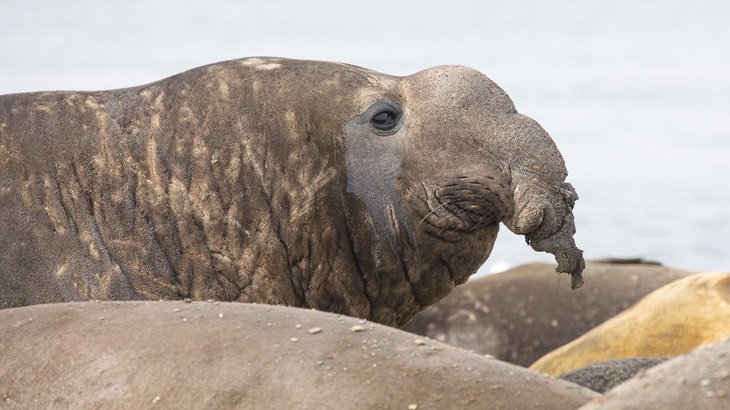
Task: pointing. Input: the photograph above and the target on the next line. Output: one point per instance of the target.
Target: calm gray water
(635, 94)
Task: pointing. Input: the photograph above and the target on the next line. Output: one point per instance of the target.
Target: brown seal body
(523, 313)
(233, 355)
(670, 321)
(696, 380)
(277, 181)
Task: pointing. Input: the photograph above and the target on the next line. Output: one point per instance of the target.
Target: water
(635, 94)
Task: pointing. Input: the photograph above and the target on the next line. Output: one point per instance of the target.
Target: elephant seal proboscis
(145, 354)
(300, 183)
(670, 321)
(696, 380)
(521, 314)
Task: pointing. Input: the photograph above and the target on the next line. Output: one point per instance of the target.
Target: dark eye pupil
(384, 120)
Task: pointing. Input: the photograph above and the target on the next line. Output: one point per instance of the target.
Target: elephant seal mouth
(465, 204)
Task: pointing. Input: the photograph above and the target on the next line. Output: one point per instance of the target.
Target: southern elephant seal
(146, 354)
(521, 314)
(290, 182)
(670, 321)
(696, 380)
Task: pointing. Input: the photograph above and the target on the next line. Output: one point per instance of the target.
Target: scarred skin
(274, 181)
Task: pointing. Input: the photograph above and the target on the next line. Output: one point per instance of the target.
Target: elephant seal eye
(385, 119)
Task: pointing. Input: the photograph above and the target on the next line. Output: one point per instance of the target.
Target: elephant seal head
(439, 159)
(267, 180)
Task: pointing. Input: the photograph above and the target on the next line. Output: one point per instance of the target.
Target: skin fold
(299, 183)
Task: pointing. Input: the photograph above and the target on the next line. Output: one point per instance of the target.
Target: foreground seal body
(277, 181)
(670, 321)
(234, 355)
(521, 314)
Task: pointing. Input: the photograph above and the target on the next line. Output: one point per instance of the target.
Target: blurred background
(635, 94)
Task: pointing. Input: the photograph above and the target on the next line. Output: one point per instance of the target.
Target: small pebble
(419, 342)
(298, 326)
(101, 317)
(220, 315)
(187, 300)
(176, 310)
(314, 330)
(357, 328)
(361, 321)
(705, 382)
(294, 339)
(412, 406)
(156, 399)
(184, 319)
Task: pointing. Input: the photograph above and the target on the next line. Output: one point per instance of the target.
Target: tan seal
(670, 321)
(134, 355)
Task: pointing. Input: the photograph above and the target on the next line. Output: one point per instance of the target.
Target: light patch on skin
(54, 218)
(291, 121)
(61, 269)
(177, 186)
(5, 153)
(25, 194)
(94, 252)
(261, 64)
(42, 107)
(223, 88)
(155, 174)
(86, 239)
(72, 99)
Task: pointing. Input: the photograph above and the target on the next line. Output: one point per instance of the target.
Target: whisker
(433, 210)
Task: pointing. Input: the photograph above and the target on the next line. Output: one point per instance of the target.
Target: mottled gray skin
(603, 376)
(200, 355)
(699, 379)
(269, 181)
(521, 314)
